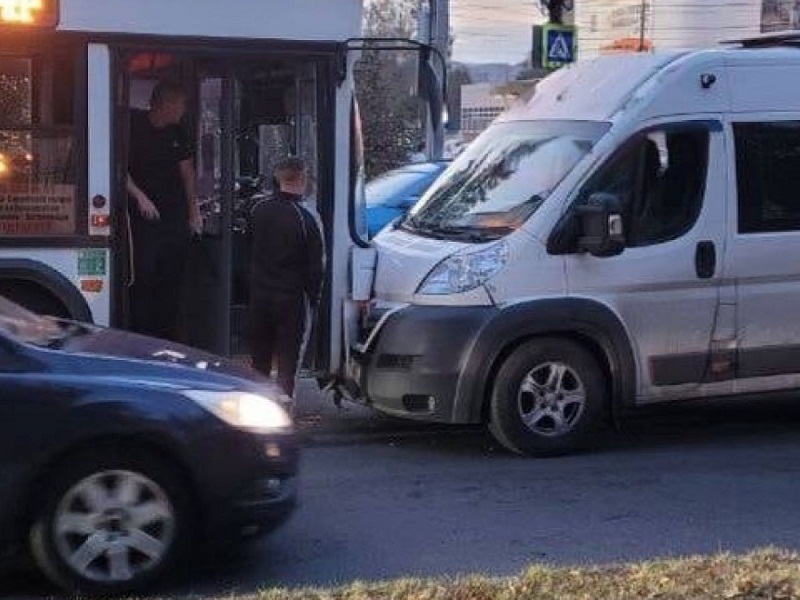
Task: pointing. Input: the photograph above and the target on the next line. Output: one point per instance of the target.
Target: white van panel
(766, 88)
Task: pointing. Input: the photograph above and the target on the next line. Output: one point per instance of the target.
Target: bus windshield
(502, 178)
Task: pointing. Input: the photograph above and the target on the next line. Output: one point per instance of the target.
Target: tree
(390, 113)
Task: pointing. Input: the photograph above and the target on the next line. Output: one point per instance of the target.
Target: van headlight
(243, 410)
(465, 271)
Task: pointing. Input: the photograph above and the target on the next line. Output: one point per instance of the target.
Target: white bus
(266, 78)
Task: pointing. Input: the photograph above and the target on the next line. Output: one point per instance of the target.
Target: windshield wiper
(470, 233)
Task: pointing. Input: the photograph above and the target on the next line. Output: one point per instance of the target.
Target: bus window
(37, 146)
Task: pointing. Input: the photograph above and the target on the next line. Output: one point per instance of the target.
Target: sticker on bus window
(34, 211)
(92, 263)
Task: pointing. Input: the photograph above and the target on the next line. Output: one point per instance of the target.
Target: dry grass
(767, 574)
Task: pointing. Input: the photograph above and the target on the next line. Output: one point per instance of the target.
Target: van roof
(597, 89)
(592, 90)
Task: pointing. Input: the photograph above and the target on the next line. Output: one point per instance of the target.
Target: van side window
(768, 176)
(660, 180)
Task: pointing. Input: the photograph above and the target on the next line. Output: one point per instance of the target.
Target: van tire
(557, 388)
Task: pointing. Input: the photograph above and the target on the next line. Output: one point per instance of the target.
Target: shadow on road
(719, 428)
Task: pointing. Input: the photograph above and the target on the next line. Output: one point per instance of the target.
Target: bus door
(245, 115)
(203, 319)
(275, 108)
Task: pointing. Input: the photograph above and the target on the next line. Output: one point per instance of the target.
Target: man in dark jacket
(163, 210)
(286, 274)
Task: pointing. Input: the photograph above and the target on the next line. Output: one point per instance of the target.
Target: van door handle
(705, 259)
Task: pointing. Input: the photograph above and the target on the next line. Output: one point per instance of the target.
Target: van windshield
(502, 178)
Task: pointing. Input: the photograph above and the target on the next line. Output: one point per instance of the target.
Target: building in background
(482, 103)
(606, 26)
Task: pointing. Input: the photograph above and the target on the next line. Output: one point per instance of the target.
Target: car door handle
(705, 259)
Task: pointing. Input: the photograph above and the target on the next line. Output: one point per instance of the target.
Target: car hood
(100, 352)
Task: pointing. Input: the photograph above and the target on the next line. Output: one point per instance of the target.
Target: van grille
(400, 362)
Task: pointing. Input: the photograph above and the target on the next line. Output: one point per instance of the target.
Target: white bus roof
(296, 20)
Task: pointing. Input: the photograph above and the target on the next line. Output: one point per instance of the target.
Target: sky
(493, 30)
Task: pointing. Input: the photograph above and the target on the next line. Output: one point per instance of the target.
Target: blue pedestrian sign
(559, 46)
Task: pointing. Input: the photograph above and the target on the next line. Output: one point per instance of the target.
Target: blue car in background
(394, 193)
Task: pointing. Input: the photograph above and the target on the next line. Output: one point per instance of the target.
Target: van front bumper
(415, 361)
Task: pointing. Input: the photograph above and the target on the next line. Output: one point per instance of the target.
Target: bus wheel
(547, 399)
(34, 297)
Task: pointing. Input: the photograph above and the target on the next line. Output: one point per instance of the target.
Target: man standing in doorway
(163, 211)
(286, 274)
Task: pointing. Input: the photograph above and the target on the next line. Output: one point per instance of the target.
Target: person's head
(168, 103)
(292, 176)
(421, 147)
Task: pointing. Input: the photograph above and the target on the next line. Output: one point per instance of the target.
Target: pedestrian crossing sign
(559, 45)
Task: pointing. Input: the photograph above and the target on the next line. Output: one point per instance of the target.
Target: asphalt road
(426, 501)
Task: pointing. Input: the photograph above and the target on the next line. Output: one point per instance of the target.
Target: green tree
(384, 84)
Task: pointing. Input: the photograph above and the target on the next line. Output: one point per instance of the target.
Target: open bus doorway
(245, 114)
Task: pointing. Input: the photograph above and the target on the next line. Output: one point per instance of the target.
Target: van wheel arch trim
(574, 318)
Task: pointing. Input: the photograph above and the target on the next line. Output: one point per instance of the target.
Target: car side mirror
(601, 225)
(408, 203)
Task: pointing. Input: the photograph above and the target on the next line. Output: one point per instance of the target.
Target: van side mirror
(602, 227)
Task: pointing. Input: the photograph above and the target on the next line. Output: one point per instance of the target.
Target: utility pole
(439, 38)
(642, 25)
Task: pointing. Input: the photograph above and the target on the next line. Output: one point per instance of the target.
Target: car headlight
(465, 271)
(243, 410)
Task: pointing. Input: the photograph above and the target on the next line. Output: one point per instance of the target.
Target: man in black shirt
(163, 210)
(286, 274)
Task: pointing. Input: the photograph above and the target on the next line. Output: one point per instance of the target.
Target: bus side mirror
(601, 225)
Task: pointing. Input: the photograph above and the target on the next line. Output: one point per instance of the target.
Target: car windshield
(502, 178)
(401, 184)
(27, 327)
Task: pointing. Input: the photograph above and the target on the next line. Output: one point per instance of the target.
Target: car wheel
(112, 522)
(548, 397)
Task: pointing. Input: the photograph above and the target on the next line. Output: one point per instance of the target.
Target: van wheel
(111, 523)
(548, 397)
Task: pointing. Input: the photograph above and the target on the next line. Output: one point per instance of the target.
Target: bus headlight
(465, 271)
(242, 410)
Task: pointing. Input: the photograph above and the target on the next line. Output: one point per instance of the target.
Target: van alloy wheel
(551, 399)
(548, 397)
(113, 526)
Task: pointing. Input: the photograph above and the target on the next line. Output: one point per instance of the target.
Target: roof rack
(768, 40)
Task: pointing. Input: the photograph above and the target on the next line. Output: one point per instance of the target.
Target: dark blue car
(121, 453)
(394, 193)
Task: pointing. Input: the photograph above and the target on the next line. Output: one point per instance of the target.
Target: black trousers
(159, 255)
(277, 329)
